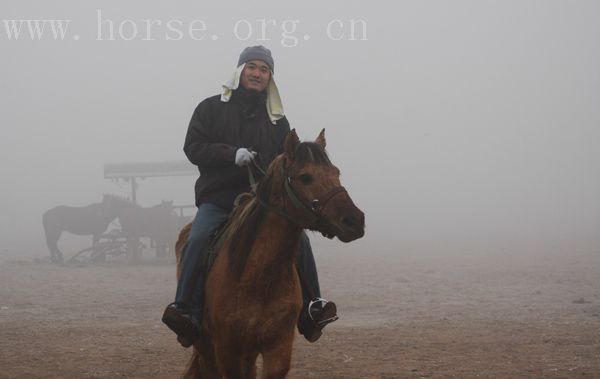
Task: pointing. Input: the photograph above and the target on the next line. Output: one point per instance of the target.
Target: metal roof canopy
(149, 169)
(132, 171)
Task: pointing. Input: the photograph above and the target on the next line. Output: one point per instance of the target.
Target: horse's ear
(321, 139)
(290, 143)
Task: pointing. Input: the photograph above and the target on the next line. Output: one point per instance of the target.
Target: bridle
(311, 209)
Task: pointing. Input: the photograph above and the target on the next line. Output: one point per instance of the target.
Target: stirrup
(323, 322)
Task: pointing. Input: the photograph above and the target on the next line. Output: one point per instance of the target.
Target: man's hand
(244, 156)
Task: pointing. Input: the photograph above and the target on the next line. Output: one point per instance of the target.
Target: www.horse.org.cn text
(286, 32)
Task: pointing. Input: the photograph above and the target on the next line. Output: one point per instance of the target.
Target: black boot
(182, 323)
(315, 316)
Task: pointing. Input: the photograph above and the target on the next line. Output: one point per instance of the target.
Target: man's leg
(316, 312)
(307, 269)
(186, 313)
(208, 218)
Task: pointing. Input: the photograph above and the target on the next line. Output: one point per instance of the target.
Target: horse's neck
(274, 250)
(105, 214)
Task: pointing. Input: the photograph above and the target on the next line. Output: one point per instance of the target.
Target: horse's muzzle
(350, 226)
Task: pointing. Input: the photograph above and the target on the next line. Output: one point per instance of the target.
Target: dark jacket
(217, 130)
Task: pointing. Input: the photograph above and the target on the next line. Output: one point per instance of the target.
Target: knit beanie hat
(257, 52)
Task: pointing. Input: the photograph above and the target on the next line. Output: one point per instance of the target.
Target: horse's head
(312, 192)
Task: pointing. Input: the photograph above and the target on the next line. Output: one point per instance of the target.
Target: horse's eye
(306, 178)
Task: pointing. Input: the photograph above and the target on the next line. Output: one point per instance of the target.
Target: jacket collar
(248, 97)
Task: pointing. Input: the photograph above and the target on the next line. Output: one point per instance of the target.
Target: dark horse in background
(159, 223)
(89, 220)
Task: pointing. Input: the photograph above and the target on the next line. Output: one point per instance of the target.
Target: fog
(467, 132)
(457, 126)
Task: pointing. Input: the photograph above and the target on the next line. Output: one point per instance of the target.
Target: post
(133, 189)
(133, 242)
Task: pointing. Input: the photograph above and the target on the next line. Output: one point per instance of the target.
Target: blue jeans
(190, 288)
(307, 270)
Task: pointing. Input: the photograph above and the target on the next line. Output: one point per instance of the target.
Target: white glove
(244, 156)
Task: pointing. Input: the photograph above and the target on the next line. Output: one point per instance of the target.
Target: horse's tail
(181, 240)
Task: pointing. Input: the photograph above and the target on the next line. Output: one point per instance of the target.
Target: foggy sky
(457, 125)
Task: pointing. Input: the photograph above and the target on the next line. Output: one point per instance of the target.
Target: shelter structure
(131, 172)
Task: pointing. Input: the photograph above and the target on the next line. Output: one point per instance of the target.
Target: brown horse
(253, 295)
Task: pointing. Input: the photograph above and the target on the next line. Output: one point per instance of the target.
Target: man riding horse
(244, 125)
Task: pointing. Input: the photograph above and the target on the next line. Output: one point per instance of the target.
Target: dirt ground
(443, 316)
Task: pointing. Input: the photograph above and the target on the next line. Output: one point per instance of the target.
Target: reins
(251, 178)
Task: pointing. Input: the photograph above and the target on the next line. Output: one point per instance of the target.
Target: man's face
(256, 75)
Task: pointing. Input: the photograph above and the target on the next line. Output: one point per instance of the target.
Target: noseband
(311, 209)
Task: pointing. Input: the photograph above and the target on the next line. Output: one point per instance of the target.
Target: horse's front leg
(203, 364)
(249, 363)
(234, 363)
(95, 249)
(229, 361)
(52, 243)
(58, 255)
(277, 360)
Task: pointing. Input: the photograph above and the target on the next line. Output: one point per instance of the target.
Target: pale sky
(457, 125)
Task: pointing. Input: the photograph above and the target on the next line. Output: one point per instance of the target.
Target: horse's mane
(242, 228)
(246, 218)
